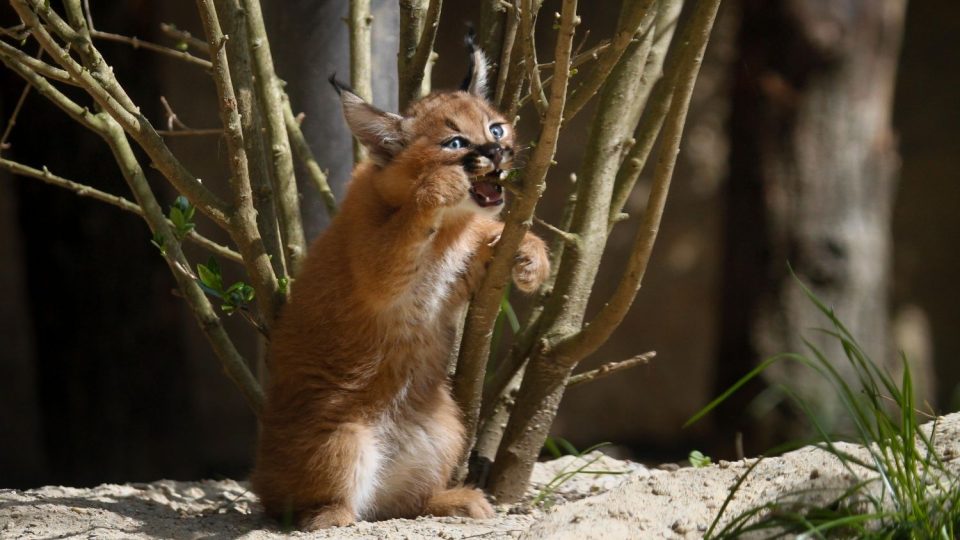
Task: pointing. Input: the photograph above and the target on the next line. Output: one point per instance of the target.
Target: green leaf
(159, 241)
(182, 46)
(511, 315)
(551, 446)
(176, 217)
(283, 282)
(697, 459)
(210, 275)
(568, 447)
(181, 215)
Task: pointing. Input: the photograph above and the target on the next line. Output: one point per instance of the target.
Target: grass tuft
(902, 488)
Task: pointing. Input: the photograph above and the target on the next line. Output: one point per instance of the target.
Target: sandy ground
(638, 502)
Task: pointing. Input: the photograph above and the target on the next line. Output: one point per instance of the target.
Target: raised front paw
(531, 266)
(448, 186)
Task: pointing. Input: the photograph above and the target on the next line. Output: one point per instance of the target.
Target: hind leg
(320, 479)
(325, 517)
(460, 502)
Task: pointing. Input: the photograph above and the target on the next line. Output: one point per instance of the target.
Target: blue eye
(497, 131)
(456, 143)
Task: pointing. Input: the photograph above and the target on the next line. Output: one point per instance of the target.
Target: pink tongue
(487, 189)
(486, 194)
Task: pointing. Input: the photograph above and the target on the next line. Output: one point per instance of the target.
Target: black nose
(492, 151)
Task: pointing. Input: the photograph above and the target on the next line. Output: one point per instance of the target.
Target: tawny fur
(359, 421)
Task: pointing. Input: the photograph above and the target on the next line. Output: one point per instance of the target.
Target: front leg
(531, 265)
(445, 186)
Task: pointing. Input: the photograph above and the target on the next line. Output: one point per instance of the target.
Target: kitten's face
(457, 128)
(463, 128)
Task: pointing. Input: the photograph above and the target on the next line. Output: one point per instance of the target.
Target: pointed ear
(378, 131)
(476, 80)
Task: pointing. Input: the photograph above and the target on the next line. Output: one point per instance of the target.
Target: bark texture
(813, 171)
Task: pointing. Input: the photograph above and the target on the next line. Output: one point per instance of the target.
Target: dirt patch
(636, 502)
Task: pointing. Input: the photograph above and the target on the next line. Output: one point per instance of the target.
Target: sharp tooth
(503, 175)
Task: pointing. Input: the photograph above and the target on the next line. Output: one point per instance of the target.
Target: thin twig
(360, 63)
(210, 323)
(172, 119)
(507, 64)
(305, 155)
(251, 122)
(176, 127)
(117, 201)
(138, 43)
(634, 15)
(270, 96)
(17, 33)
(16, 112)
(482, 313)
(80, 114)
(690, 55)
(190, 132)
(106, 91)
(567, 237)
(41, 68)
(580, 58)
(655, 110)
(527, 27)
(418, 28)
(183, 36)
(610, 368)
(243, 220)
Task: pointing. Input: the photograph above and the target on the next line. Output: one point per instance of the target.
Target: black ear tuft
(339, 85)
(476, 80)
(470, 42)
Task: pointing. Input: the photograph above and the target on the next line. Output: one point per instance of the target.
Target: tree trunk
(813, 171)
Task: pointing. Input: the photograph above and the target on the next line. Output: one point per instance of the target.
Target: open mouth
(486, 190)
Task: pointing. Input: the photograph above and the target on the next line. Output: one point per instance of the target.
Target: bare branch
(35, 64)
(509, 40)
(270, 96)
(635, 16)
(183, 36)
(581, 58)
(176, 128)
(528, 22)
(243, 220)
(251, 121)
(138, 43)
(207, 132)
(568, 238)
(12, 121)
(689, 56)
(17, 33)
(81, 115)
(610, 368)
(418, 29)
(130, 119)
(482, 313)
(233, 363)
(655, 111)
(302, 150)
(122, 203)
(360, 63)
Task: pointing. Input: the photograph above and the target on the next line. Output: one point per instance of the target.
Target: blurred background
(822, 134)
